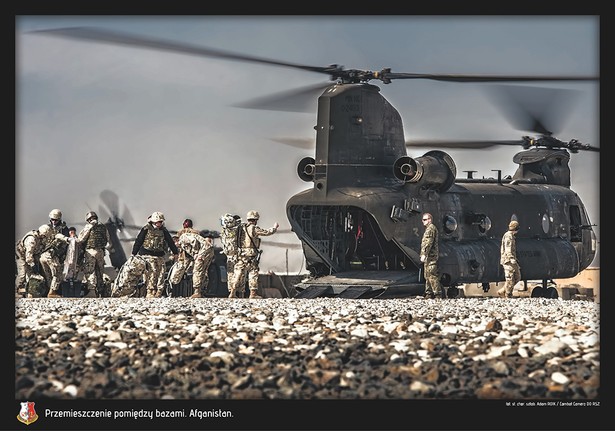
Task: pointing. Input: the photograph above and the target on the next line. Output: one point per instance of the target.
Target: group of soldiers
(53, 253)
(430, 253)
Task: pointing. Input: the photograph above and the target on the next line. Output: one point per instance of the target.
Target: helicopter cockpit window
(546, 223)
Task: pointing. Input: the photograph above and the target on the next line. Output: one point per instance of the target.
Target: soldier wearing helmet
(96, 241)
(54, 255)
(27, 257)
(508, 259)
(54, 252)
(152, 243)
(230, 228)
(249, 254)
(196, 252)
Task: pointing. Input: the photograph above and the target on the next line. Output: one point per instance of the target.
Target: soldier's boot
(502, 292)
(509, 294)
(158, 294)
(151, 294)
(54, 294)
(231, 293)
(196, 294)
(254, 295)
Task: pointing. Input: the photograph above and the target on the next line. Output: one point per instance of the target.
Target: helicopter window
(546, 223)
(450, 224)
(485, 224)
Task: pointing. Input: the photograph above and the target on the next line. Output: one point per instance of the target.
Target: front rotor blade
(298, 100)
(94, 34)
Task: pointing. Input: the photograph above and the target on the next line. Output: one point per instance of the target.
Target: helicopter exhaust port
(306, 168)
(434, 170)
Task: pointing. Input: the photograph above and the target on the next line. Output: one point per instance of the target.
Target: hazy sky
(159, 128)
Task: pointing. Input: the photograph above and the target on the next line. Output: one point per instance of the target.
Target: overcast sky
(160, 130)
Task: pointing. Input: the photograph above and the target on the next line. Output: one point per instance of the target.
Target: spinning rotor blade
(308, 144)
(526, 142)
(299, 100)
(536, 109)
(335, 71)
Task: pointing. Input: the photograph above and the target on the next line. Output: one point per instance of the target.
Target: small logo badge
(27, 414)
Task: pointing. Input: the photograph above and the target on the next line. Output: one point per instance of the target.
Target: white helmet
(55, 214)
(156, 217)
(253, 215)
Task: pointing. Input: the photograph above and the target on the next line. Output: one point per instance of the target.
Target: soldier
(249, 254)
(230, 228)
(195, 251)
(27, 255)
(95, 239)
(130, 275)
(429, 257)
(59, 226)
(150, 244)
(508, 259)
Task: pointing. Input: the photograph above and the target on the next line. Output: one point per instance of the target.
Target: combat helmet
(253, 215)
(45, 231)
(55, 214)
(90, 215)
(156, 217)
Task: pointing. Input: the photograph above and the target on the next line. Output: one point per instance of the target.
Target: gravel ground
(324, 348)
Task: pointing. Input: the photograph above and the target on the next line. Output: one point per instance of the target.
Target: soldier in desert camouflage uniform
(27, 255)
(95, 239)
(150, 244)
(249, 254)
(54, 252)
(129, 277)
(196, 252)
(508, 260)
(429, 257)
(229, 238)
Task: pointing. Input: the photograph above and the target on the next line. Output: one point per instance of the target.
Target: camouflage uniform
(96, 240)
(150, 244)
(27, 254)
(508, 259)
(197, 252)
(228, 237)
(430, 252)
(249, 256)
(50, 262)
(129, 277)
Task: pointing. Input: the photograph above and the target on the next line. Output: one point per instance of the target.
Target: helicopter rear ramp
(362, 284)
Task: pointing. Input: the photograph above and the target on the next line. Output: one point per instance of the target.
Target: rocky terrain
(324, 348)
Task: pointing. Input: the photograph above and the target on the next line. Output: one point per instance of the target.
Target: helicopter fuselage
(364, 209)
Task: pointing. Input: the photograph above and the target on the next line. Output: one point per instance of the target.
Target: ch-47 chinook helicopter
(360, 222)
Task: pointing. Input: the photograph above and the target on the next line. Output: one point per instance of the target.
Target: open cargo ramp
(362, 284)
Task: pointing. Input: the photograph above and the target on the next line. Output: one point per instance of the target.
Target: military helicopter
(359, 223)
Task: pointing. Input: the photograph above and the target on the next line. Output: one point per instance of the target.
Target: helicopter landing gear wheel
(452, 292)
(551, 293)
(538, 292)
